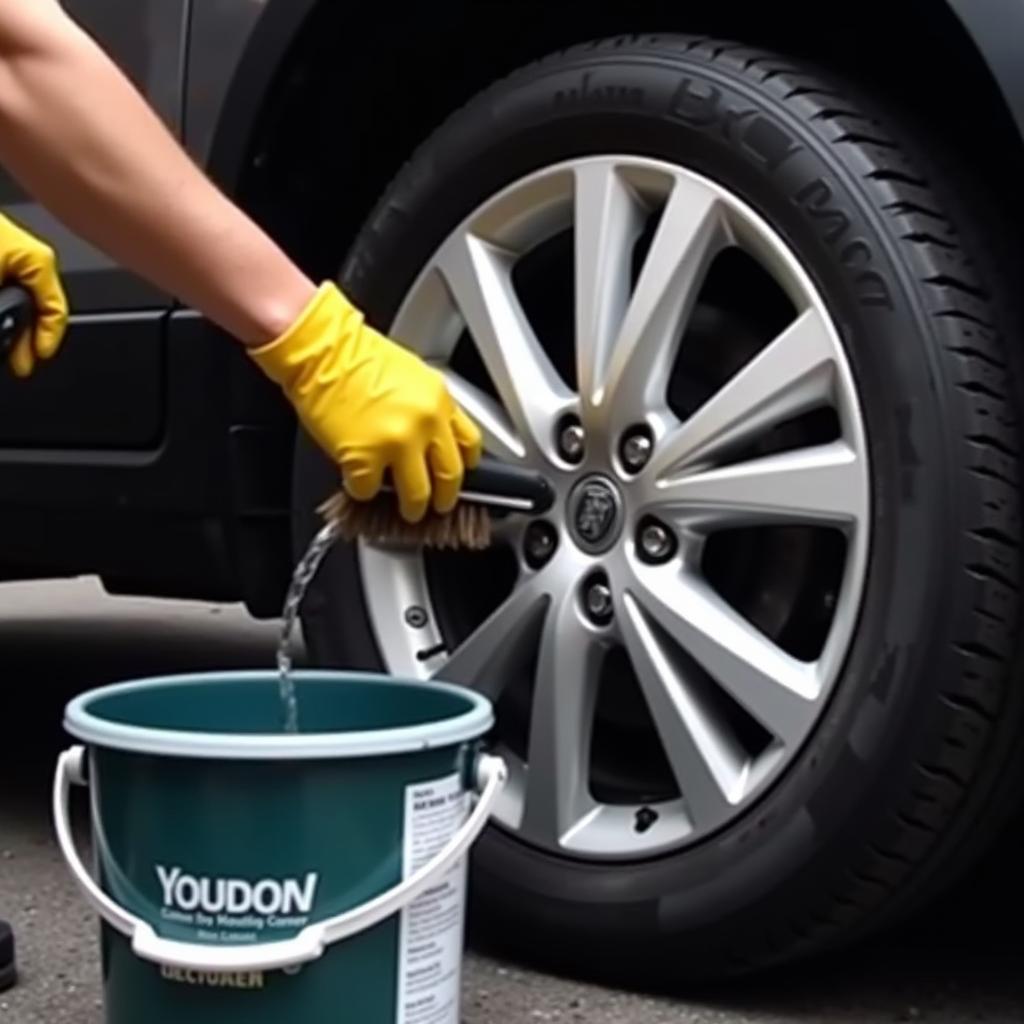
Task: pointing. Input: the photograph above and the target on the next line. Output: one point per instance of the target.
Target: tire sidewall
(881, 715)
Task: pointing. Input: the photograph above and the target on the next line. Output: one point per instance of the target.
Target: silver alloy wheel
(668, 617)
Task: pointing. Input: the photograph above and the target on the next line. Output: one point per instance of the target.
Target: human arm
(80, 138)
(85, 143)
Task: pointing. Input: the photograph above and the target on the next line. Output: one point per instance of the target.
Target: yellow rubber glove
(373, 406)
(30, 262)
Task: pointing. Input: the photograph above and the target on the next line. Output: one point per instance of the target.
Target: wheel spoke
(692, 230)
(609, 219)
(500, 437)
(816, 486)
(480, 278)
(775, 688)
(490, 657)
(706, 763)
(791, 376)
(568, 664)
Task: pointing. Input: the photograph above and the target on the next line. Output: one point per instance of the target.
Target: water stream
(301, 578)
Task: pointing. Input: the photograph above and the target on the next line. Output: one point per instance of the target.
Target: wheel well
(369, 87)
(361, 88)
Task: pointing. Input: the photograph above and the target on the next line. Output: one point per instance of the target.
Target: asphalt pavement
(963, 963)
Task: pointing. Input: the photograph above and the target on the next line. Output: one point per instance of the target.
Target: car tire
(910, 769)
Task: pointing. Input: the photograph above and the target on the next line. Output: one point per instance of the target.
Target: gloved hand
(372, 406)
(30, 262)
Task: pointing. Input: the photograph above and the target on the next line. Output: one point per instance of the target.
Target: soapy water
(301, 578)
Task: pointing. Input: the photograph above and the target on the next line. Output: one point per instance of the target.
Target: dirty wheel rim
(730, 701)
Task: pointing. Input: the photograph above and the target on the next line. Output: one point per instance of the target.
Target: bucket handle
(491, 774)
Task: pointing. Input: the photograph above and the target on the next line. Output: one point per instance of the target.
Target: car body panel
(220, 33)
(147, 38)
(235, 49)
(117, 316)
(997, 29)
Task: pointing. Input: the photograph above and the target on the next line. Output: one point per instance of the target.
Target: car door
(105, 389)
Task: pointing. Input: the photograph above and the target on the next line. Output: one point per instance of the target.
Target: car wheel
(753, 672)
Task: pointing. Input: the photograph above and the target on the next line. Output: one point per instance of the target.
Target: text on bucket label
(235, 909)
(430, 941)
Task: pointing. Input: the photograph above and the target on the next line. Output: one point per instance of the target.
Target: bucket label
(235, 909)
(431, 932)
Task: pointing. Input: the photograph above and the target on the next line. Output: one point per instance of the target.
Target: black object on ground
(8, 965)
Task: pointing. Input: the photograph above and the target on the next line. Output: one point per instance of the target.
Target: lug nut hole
(540, 544)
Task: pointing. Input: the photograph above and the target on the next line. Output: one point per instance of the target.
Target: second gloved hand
(373, 406)
(31, 263)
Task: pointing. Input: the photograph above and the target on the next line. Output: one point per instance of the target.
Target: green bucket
(244, 874)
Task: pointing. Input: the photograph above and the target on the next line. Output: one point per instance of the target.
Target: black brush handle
(497, 483)
(17, 311)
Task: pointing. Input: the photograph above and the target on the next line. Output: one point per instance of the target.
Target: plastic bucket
(243, 874)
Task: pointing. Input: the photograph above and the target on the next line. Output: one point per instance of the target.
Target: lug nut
(541, 541)
(598, 600)
(636, 449)
(655, 540)
(657, 543)
(572, 441)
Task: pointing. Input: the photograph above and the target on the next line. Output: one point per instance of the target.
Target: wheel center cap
(595, 514)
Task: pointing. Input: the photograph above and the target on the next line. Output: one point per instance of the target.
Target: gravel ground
(961, 965)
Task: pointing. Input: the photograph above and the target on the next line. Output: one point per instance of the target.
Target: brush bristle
(467, 526)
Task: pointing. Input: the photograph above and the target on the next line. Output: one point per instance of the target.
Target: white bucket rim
(97, 732)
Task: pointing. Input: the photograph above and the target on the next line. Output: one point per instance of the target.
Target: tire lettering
(695, 107)
(817, 200)
(768, 142)
(750, 129)
(856, 254)
(626, 95)
(701, 105)
(814, 198)
(872, 290)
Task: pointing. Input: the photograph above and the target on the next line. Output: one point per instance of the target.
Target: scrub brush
(491, 488)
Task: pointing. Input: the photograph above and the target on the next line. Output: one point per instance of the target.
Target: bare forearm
(78, 137)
